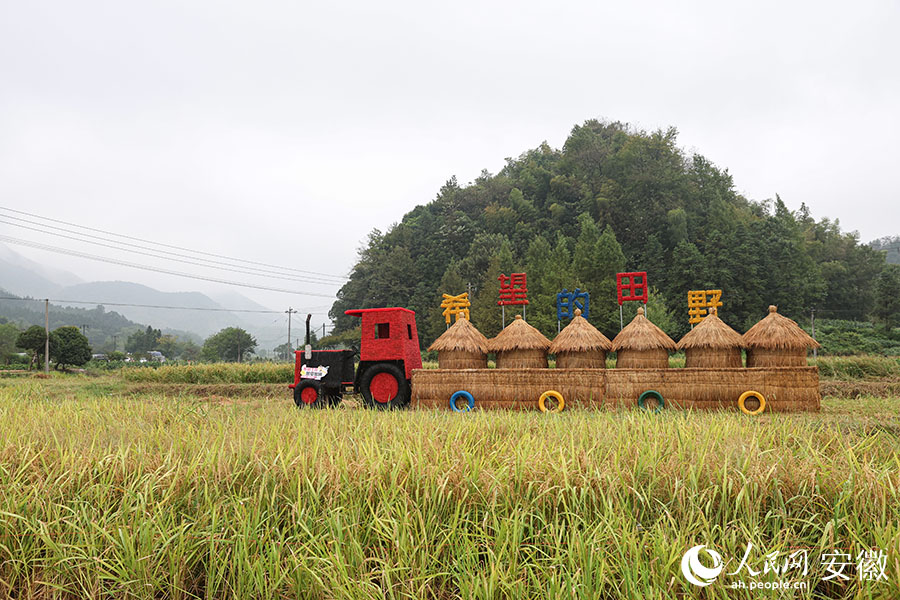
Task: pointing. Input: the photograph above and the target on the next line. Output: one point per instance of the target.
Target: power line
(155, 269)
(153, 255)
(94, 303)
(137, 239)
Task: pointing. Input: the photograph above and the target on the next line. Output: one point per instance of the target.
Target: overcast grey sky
(283, 132)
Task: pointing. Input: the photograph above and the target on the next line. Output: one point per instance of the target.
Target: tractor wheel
(384, 387)
(309, 394)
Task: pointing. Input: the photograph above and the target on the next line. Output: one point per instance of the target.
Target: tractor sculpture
(389, 352)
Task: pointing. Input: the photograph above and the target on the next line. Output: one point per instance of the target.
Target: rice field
(107, 493)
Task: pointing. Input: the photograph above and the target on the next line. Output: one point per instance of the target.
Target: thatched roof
(518, 335)
(463, 336)
(641, 334)
(776, 332)
(579, 336)
(711, 332)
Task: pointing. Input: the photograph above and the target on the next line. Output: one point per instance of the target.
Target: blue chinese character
(567, 302)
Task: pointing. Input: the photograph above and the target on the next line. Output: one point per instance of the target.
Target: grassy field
(108, 490)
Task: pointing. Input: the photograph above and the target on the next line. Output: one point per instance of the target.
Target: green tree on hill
(229, 344)
(674, 215)
(9, 333)
(142, 342)
(887, 297)
(33, 340)
(71, 348)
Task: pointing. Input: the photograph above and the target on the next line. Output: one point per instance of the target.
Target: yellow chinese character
(456, 305)
(701, 300)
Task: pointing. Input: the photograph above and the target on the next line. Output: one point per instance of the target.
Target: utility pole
(115, 343)
(47, 336)
(289, 312)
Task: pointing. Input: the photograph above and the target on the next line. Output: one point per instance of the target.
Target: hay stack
(520, 346)
(642, 345)
(580, 345)
(777, 341)
(712, 343)
(462, 346)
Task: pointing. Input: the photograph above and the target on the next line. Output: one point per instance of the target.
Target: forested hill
(612, 199)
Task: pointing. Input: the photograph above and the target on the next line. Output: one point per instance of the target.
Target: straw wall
(534, 358)
(588, 359)
(652, 358)
(705, 357)
(785, 389)
(785, 357)
(507, 388)
(460, 359)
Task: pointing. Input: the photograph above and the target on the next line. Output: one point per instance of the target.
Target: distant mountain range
(26, 278)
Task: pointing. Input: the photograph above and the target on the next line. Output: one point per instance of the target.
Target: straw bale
(650, 358)
(711, 332)
(642, 334)
(776, 332)
(579, 336)
(461, 336)
(459, 359)
(713, 357)
(518, 335)
(522, 359)
(585, 359)
(785, 357)
(785, 388)
(495, 388)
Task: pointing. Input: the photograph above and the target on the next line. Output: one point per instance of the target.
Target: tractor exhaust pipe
(307, 351)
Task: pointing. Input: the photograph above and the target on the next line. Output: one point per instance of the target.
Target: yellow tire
(560, 403)
(752, 394)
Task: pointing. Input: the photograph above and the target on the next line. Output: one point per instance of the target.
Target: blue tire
(462, 394)
(660, 403)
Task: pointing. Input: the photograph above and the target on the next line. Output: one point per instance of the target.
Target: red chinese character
(632, 286)
(513, 289)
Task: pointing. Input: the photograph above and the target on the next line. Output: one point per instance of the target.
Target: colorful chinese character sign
(456, 305)
(632, 286)
(513, 289)
(701, 300)
(567, 302)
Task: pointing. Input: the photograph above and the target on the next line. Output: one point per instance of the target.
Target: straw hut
(462, 346)
(712, 343)
(580, 345)
(520, 346)
(777, 341)
(642, 345)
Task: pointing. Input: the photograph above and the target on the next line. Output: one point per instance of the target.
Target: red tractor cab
(389, 352)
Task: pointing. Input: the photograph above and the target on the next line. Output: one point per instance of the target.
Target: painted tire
(462, 394)
(642, 400)
(542, 401)
(751, 394)
(309, 394)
